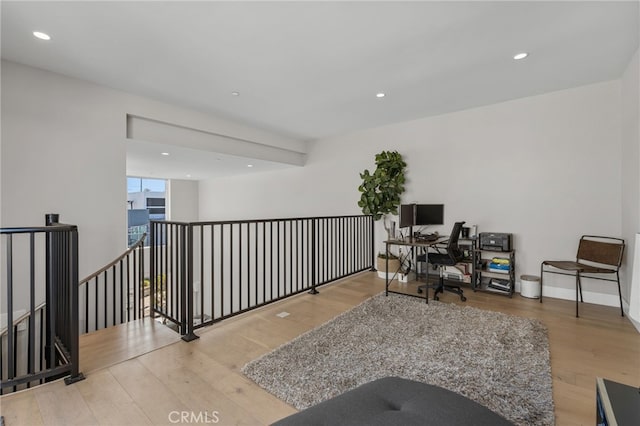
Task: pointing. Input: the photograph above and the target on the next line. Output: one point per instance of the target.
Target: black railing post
(140, 279)
(313, 258)
(32, 305)
(10, 336)
(74, 322)
(51, 219)
(181, 275)
(373, 244)
(62, 297)
(152, 271)
(188, 285)
(51, 273)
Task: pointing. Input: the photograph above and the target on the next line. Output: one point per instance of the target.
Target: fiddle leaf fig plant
(381, 189)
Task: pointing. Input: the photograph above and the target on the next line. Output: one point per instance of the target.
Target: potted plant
(381, 190)
(380, 196)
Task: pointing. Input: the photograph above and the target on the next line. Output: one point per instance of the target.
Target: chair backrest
(453, 249)
(602, 250)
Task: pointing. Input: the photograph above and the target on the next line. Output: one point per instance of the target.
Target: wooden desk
(413, 244)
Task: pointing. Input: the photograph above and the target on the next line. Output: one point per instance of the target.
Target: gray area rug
(498, 360)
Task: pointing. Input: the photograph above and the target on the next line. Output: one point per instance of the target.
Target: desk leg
(386, 273)
(426, 275)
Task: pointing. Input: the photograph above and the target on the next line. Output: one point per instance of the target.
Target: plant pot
(381, 265)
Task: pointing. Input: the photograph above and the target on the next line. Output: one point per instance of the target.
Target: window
(145, 202)
(155, 202)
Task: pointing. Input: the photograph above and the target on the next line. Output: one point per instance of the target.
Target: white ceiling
(310, 70)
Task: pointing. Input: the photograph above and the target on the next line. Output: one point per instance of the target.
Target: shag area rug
(500, 361)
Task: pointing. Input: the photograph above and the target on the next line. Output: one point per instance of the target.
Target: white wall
(630, 135)
(545, 168)
(182, 200)
(63, 151)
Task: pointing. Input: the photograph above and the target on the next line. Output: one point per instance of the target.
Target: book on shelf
(497, 290)
(497, 284)
(501, 266)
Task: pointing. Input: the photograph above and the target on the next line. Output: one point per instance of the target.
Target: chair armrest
(440, 245)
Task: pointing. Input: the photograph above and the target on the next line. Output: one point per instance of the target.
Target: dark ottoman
(395, 401)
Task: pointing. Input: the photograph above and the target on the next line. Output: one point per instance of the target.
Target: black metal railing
(117, 293)
(28, 343)
(230, 267)
(39, 336)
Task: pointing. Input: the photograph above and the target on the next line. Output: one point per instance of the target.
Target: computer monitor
(429, 214)
(407, 215)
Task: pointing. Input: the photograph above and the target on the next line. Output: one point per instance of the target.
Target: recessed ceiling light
(520, 56)
(249, 165)
(164, 153)
(380, 95)
(235, 93)
(41, 36)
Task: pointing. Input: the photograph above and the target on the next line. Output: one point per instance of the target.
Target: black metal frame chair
(596, 255)
(452, 256)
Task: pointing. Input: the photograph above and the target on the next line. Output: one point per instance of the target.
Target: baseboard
(588, 296)
(634, 321)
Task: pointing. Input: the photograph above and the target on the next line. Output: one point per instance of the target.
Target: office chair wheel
(464, 299)
(419, 291)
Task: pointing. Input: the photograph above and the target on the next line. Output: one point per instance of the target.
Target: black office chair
(452, 256)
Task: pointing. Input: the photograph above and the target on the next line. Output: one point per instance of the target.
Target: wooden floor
(129, 386)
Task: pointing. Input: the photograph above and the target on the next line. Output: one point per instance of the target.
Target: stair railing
(116, 293)
(39, 263)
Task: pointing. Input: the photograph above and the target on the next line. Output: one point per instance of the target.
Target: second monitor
(421, 214)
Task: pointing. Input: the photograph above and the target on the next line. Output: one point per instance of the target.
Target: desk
(413, 244)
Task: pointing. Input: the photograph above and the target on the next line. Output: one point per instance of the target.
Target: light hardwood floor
(129, 383)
